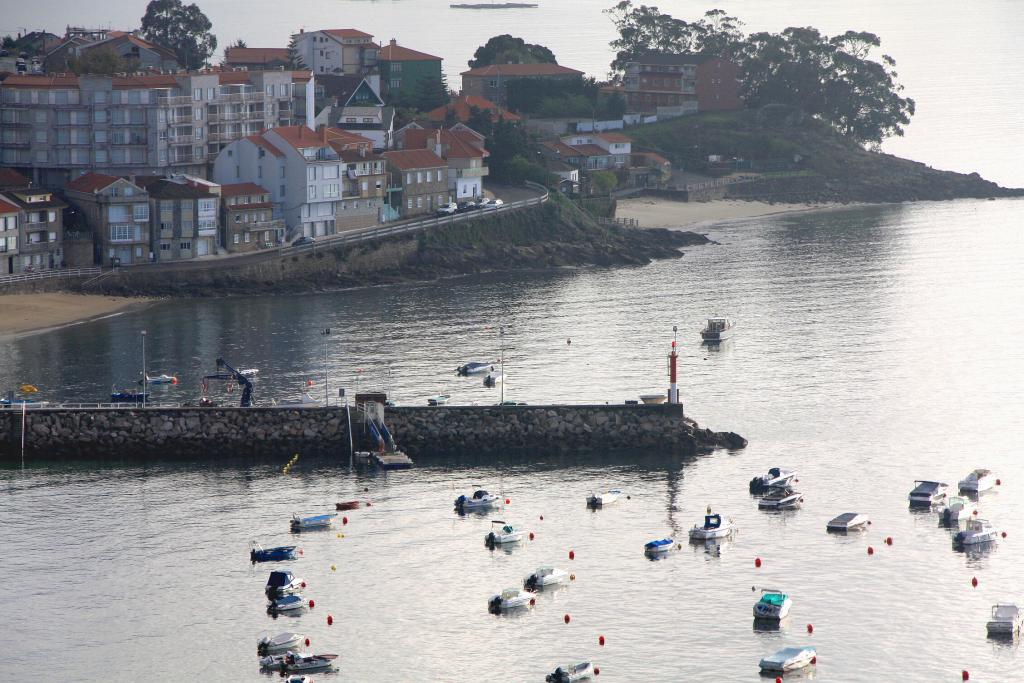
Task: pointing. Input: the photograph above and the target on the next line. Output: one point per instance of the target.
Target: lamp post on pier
(501, 361)
(325, 333)
(145, 375)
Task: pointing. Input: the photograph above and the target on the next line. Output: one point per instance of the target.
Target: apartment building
(8, 237)
(321, 182)
(680, 84)
(405, 72)
(248, 222)
(137, 52)
(118, 212)
(184, 216)
(491, 82)
(344, 51)
(56, 127)
(40, 226)
(419, 181)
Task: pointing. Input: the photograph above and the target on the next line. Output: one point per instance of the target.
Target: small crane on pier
(226, 372)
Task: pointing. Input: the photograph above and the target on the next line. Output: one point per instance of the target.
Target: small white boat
(597, 500)
(545, 577)
(299, 679)
(717, 330)
(776, 476)
(571, 673)
(299, 523)
(978, 531)
(303, 401)
(978, 481)
(928, 493)
(438, 400)
(848, 521)
(781, 498)
(297, 661)
(480, 500)
(714, 527)
(510, 599)
(162, 379)
(268, 644)
(249, 372)
(773, 605)
(505, 533)
(653, 399)
(475, 368)
(288, 603)
(789, 659)
(282, 583)
(958, 510)
(659, 546)
(494, 379)
(1007, 620)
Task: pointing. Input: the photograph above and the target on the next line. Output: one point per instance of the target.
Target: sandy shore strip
(664, 213)
(24, 314)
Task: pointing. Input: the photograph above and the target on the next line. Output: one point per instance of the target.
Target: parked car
(496, 203)
(465, 206)
(447, 209)
(484, 203)
(303, 240)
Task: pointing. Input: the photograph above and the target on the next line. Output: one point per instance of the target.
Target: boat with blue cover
(287, 603)
(662, 545)
(300, 523)
(128, 396)
(282, 583)
(258, 553)
(714, 527)
(480, 500)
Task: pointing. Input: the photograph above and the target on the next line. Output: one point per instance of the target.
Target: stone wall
(420, 431)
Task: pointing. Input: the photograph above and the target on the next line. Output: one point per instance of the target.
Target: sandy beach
(665, 213)
(22, 314)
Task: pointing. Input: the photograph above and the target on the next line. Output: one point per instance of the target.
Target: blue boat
(258, 553)
(662, 545)
(309, 523)
(129, 396)
(286, 604)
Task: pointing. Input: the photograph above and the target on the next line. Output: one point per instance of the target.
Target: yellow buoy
(334, 567)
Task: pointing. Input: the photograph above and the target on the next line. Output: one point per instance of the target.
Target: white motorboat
(1007, 620)
(288, 603)
(438, 400)
(659, 546)
(505, 533)
(510, 599)
(475, 368)
(300, 523)
(781, 498)
(282, 583)
(571, 673)
(545, 577)
(480, 500)
(776, 476)
(303, 401)
(161, 379)
(249, 372)
(848, 521)
(297, 662)
(653, 399)
(928, 493)
(717, 330)
(299, 679)
(978, 481)
(494, 379)
(958, 510)
(714, 527)
(978, 531)
(597, 500)
(773, 605)
(268, 644)
(789, 659)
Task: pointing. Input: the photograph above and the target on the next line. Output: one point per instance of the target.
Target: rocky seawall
(161, 433)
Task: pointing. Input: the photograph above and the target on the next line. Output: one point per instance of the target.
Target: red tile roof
(462, 109)
(522, 70)
(8, 208)
(346, 33)
(144, 81)
(592, 151)
(458, 142)
(260, 142)
(396, 53)
(11, 178)
(413, 158)
(237, 189)
(614, 137)
(41, 81)
(561, 148)
(255, 55)
(301, 137)
(91, 182)
(302, 76)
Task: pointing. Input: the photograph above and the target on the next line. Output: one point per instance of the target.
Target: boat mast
(145, 376)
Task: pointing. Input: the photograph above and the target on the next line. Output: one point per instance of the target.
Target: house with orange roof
(405, 73)
(137, 52)
(345, 51)
(462, 149)
(460, 109)
(320, 182)
(248, 222)
(420, 180)
(490, 82)
(256, 58)
(117, 211)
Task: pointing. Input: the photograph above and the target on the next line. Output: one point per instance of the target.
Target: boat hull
(702, 534)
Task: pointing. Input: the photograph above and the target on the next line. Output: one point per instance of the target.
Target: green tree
(238, 43)
(603, 182)
(100, 62)
(184, 29)
(519, 169)
(8, 43)
(506, 49)
(294, 58)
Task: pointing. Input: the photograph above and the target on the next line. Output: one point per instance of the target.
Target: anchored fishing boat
(282, 583)
(258, 553)
(161, 379)
(978, 531)
(305, 400)
(927, 493)
(1007, 620)
(848, 521)
(781, 498)
(571, 673)
(438, 400)
(662, 545)
(958, 510)
(978, 481)
(128, 396)
(297, 661)
(312, 523)
(545, 577)
(789, 659)
(267, 644)
(597, 500)
(510, 599)
(288, 603)
(474, 368)
(714, 527)
(506, 533)
(480, 500)
(348, 505)
(774, 605)
(717, 330)
(776, 476)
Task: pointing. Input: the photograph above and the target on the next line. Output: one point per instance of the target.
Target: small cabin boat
(268, 644)
(571, 673)
(438, 400)
(494, 379)
(282, 583)
(160, 379)
(258, 553)
(480, 500)
(597, 500)
(297, 661)
(305, 400)
(249, 372)
(927, 493)
(545, 577)
(958, 510)
(128, 396)
(348, 505)
(717, 330)
(505, 533)
(474, 368)
(789, 659)
(714, 527)
(848, 521)
(299, 679)
(653, 399)
(299, 523)
(781, 498)
(510, 599)
(978, 531)
(978, 481)
(287, 603)
(774, 605)
(1007, 620)
(662, 545)
(776, 476)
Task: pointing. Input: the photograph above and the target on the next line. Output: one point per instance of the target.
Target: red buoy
(999, 482)
(600, 641)
(344, 520)
(572, 577)
(307, 642)
(533, 601)
(974, 581)
(597, 671)
(572, 554)
(814, 659)
(174, 380)
(757, 561)
(531, 535)
(778, 679)
(303, 584)
(301, 552)
(888, 540)
(975, 513)
(309, 382)
(542, 518)
(369, 504)
(1004, 534)
(508, 501)
(810, 628)
(312, 604)
(965, 675)
(871, 551)
(567, 618)
(330, 620)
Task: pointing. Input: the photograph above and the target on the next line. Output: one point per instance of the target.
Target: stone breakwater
(420, 431)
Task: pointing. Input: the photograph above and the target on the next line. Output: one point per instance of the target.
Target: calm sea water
(874, 346)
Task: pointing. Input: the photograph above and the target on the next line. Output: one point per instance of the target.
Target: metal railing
(48, 274)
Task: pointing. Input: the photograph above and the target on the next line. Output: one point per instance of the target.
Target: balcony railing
(174, 100)
(240, 97)
(179, 118)
(15, 143)
(472, 172)
(180, 139)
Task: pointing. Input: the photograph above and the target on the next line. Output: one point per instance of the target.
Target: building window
(311, 173)
(419, 202)
(311, 191)
(396, 67)
(165, 246)
(408, 203)
(199, 114)
(395, 83)
(238, 218)
(419, 177)
(121, 232)
(236, 238)
(186, 246)
(140, 212)
(247, 238)
(439, 175)
(199, 133)
(197, 94)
